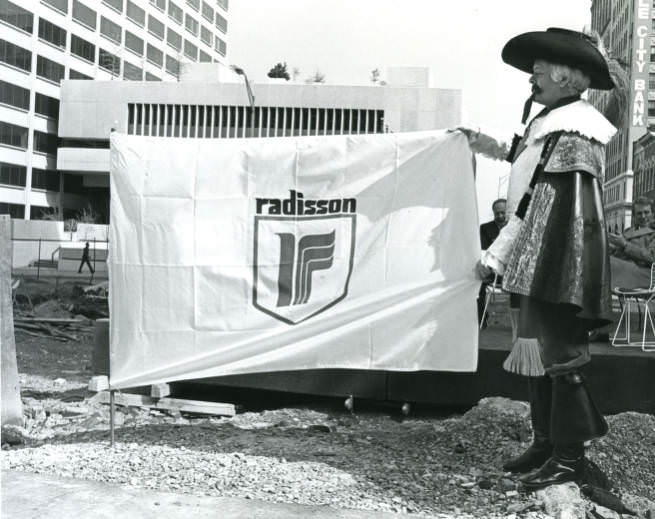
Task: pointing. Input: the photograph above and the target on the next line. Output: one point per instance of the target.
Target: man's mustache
(536, 89)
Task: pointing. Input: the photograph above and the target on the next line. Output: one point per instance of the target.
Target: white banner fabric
(254, 255)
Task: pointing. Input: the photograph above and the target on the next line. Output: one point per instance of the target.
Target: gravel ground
(426, 465)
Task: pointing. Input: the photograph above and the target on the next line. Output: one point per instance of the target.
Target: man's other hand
(483, 271)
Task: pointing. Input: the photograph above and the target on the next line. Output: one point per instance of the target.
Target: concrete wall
(90, 109)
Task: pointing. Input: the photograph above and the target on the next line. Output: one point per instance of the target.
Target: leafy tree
(279, 71)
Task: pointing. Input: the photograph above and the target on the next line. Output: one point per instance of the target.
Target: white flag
(253, 255)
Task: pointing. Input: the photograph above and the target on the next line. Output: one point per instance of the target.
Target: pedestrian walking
(85, 259)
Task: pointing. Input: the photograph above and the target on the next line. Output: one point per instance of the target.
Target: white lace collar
(580, 117)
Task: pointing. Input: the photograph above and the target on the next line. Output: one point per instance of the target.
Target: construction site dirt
(434, 462)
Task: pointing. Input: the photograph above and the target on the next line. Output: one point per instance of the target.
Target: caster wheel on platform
(406, 408)
(349, 403)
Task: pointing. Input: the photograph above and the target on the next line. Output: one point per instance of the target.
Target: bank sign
(641, 59)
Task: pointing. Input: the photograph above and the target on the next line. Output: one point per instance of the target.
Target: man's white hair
(577, 79)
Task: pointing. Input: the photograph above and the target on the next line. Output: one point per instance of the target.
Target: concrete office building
(628, 30)
(211, 102)
(43, 42)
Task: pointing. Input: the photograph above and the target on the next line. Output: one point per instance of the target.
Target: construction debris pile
(62, 314)
(429, 465)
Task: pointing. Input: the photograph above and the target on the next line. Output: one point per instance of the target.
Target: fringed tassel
(525, 359)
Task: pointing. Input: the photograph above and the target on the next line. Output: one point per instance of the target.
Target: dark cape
(561, 254)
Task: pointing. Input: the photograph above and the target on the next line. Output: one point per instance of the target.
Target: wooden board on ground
(160, 390)
(168, 404)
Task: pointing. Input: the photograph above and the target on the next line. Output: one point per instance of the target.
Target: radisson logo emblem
(303, 254)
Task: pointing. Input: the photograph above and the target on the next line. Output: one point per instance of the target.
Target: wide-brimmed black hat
(562, 47)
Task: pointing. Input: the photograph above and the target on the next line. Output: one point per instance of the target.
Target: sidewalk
(34, 496)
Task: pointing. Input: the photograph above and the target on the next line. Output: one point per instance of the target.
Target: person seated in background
(488, 233)
(633, 252)
(631, 255)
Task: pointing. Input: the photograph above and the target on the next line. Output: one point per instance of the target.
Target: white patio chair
(639, 296)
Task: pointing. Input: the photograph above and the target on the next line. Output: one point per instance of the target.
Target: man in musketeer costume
(553, 253)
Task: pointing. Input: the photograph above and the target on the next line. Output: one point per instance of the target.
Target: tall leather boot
(574, 420)
(540, 410)
(566, 464)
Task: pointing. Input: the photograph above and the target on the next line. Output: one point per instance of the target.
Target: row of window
(16, 136)
(48, 179)
(36, 212)
(19, 97)
(52, 71)
(201, 121)
(15, 175)
(51, 33)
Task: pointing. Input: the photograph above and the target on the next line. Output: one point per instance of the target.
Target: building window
(204, 57)
(47, 179)
(60, 5)
(155, 27)
(114, 4)
(12, 175)
(17, 16)
(159, 4)
(111, 30)
(208, 11)
(74, 184)
(651, 108)
(82, 48)
(223, 4)
(13, 135)
(133, 43)
(172, 65)
(174, 12)
(194, 3)
(174, 39)
(155, 56)
(151, 77)
(132, 72)
(74, 74)
(220, 46)
(191, 24)
(190, 50)
(52, 33)
(15, 56)
(84, 15)
(110, 62)
(206, 35)
(46, 105)
(15, 96)
(221, 23)
(48, 69)
(13, 210)
(39, 212)
(136, 14)
(45, 142)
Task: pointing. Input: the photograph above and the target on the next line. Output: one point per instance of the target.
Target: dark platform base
(620, 380)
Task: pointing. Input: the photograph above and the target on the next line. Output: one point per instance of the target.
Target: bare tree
(375, 75)
(317, 77)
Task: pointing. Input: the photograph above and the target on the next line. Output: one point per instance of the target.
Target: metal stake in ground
(112, 410)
